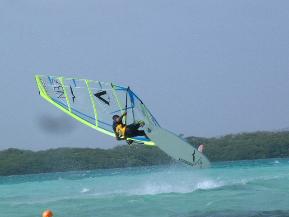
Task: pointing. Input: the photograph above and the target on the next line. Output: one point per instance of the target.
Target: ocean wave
(176, 182)
(154, 188)
(160, 187)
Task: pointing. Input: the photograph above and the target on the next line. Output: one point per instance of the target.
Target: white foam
(208, 184)
(85, 190)
(165, 188)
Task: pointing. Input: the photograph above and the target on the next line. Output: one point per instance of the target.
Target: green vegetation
(245, 146)
(230, 147)
(14, 161)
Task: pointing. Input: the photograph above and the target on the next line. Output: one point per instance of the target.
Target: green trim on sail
(65, 93)
(117, 100)
(93, 102)
(40, 85)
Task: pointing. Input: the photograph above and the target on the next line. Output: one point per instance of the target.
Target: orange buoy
(47, 213)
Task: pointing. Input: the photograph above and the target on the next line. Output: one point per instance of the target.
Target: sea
(258, 188)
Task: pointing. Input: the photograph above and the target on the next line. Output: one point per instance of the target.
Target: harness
(120, 130)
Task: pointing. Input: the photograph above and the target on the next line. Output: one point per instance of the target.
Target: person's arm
(124, 114)
(117, 136)
(119, 120)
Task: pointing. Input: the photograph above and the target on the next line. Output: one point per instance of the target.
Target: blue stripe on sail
(85, 115)
(50, 80)
(119, 87)
(59, 102)
(105, 123)
(121, 110)
(131, 96)
(141, 138)
(74, 82)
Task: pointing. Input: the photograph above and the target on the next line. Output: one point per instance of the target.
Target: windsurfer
(123, 131)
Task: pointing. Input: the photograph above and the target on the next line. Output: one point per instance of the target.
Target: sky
(203, 67)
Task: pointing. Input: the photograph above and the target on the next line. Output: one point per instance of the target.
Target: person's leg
(133, 133)
(130, 132)
(140, 133)
(133, 126)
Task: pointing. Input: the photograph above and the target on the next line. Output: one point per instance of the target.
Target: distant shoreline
(244, 146)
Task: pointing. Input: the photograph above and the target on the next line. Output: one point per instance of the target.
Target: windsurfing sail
(93, 103)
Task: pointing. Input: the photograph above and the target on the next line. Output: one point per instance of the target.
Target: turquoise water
(244, 188)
